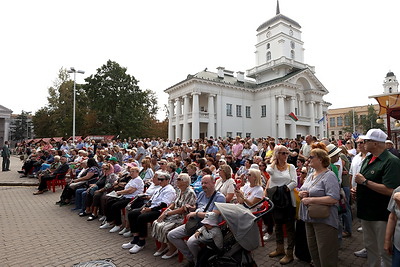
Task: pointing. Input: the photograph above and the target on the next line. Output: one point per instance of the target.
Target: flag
(293, 117)
(322, 119)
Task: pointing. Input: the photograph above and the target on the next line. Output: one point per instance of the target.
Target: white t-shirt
(286, 177)
(251, 193)
(225, 187)
(355, 167)
(135, 183)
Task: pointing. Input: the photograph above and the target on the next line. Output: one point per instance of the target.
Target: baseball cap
(376, 135)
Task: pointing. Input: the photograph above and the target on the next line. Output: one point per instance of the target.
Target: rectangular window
(263, 111)
(332, 122)
(239, 134)
(248, 110)
(238, 110)
(228, 134)
(339, 121)
(332, 132)
(347, 120)
(340, 132)
(248, 135)
(228, 109)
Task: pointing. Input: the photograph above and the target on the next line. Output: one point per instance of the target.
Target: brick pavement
(35, 232)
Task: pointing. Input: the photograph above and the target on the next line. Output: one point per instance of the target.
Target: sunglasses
(304, 172)
(162, 179)
(179, 179)
(311, 157)
(361, 142)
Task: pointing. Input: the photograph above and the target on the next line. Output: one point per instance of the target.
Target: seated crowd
(128, 184)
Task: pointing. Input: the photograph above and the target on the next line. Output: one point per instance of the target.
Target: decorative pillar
(170, 116)
(281, 116)
(272, 108)
(211, 116)
(293, 126)
(219, 120)
(178, 114)
(322, 124)
(312, 117)
(186, 133)
(195, 116)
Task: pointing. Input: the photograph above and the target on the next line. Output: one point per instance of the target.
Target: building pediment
(5, 111)
(307, 81)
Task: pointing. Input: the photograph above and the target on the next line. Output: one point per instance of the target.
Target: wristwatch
(365, 182)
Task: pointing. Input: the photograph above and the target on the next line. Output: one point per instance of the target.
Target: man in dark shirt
(390, 147)
(375, 183)
(62, 169)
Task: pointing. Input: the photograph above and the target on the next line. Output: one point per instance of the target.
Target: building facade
(5, 115)
(225, 103)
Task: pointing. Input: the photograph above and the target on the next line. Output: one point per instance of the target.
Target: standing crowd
(129, 184)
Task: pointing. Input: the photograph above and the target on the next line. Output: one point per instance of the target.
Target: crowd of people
(127, 184)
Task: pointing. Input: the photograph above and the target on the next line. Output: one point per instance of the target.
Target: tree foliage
(351, 121)
(120, 106)
(369, 121)
(21, 126)
(109, 103)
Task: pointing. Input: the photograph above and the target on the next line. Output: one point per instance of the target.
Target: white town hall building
(223, 104)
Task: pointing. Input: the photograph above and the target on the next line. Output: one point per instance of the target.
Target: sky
(352, 44)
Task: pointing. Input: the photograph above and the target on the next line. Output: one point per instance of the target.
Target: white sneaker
(136, 249)
(123, 231)
(266, 237)
(128, 245)
(159, 253)
(127, 234)
(361, 253)
(359, 229)
(115, 229)
(102, 218)
(105, 226)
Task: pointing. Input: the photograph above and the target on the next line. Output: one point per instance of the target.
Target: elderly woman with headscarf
(173, 216)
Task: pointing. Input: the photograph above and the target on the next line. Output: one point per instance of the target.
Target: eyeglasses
(179, 179)
(162, 179)
(161, 163)
(304, 172)
(311, 157)
(283, 153)
(361, 142)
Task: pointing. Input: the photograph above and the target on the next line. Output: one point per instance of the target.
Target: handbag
(194, 223)
(318, 211)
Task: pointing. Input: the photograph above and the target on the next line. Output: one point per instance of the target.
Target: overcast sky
(352, 44)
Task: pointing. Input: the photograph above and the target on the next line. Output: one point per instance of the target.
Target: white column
(322, 124)
(195, 116)
(170, 115)
(220, 113)
(211, 116)
(6, 130)
(272, 108)
(186, 134)
(178, 114)
(312, 117)
(293, 127)
(281, 116)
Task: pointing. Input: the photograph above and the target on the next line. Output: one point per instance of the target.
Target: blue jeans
(395, 257)
(80, 199)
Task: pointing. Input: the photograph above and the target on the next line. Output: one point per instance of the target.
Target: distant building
(338, 119)
(5, 115)
(223, 104)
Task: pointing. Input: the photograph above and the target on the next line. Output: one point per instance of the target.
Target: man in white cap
(375, 183)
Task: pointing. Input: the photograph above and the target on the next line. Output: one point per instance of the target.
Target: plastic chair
(59, 180)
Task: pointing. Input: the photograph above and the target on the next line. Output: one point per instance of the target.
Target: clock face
(268, 34)
(291, 32)
(292, 44)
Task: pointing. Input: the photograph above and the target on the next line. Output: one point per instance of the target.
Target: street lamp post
(74, 71)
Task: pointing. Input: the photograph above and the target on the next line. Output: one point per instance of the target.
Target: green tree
(351, 121)
(369, 121)
(56, 118)
(21, 126)
(117, 103)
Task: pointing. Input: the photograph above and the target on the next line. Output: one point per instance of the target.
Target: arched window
(268, 46)
(292, 54)
(390, 90)
(268, 55)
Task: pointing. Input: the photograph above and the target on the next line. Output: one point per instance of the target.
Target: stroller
(241, 236)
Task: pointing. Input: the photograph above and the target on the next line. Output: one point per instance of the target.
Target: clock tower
(390, 84)
(279, 48)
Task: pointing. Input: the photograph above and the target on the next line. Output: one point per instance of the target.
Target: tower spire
(277, 7)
